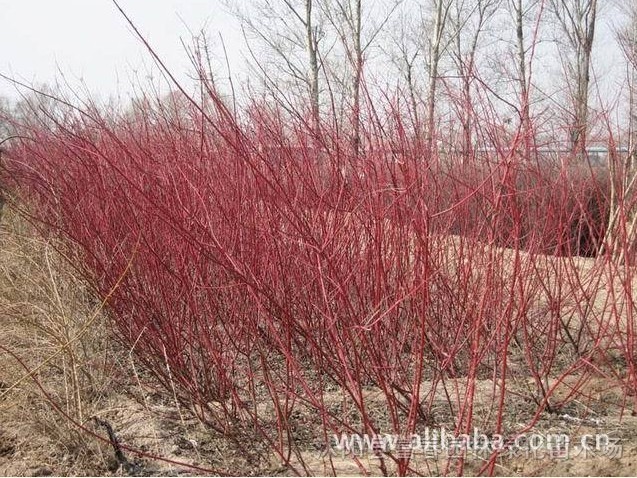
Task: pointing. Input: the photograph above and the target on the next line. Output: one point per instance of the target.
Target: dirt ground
(30, 446)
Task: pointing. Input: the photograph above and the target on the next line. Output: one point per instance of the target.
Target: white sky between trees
(88, 42)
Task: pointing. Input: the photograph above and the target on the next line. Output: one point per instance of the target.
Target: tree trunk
(358, 77)
(621, 231)
(440, 15)
(525, 114)
(312, 48)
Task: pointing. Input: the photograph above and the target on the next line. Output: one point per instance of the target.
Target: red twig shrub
(273, 270)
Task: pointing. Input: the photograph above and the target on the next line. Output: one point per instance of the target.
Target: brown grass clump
(51, 357)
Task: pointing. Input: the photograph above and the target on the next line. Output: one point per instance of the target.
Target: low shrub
(286, 289)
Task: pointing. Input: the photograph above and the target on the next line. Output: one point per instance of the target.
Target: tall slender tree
(469, 20)
(623, 168)
(627, 39)
(405, 53)
(577, 20)
(357, 32)
(291, 31)
(521, 12)
(436, 47)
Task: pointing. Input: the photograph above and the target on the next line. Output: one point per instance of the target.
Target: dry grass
(45, 310)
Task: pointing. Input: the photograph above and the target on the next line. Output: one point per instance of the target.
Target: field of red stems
(286, 284)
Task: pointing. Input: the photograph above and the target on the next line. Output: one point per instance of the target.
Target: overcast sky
(89, 40)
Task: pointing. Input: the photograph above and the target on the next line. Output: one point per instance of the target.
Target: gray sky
(89, 41)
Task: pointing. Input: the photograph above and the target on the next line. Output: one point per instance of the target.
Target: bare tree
(623, 169)
(514, 66)
(520, 10)
(405, 52)
(292, 32)
(627, 38)
(577, 20)
(311, 41)
(469, 20)
(346, 18)
(419, 44)
(356, 35)
(436, 48)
